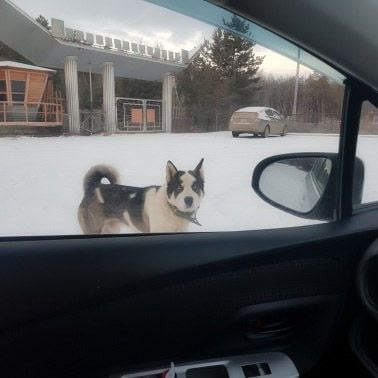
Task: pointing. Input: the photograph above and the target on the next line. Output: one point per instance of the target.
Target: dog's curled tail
(94, 176)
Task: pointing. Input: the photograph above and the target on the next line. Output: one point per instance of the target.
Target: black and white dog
(106, 208)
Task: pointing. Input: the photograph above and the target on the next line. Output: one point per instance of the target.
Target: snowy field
(41, 184)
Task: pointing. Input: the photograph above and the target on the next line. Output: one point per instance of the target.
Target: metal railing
(91, 121)
(139, 115)
(30, 113)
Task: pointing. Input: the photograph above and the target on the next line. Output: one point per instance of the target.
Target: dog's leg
(111, 226)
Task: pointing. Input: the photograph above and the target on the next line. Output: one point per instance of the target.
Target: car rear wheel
(235, 134)
(266, 132)
(284, 131)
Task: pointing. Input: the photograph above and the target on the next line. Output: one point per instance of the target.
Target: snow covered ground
(41, 184)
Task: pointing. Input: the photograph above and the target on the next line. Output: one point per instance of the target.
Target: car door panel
(280, 125)
(273, 123)
(277, 123)
(105, 302)
(179, 321)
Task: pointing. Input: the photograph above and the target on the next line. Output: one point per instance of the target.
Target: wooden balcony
(17, 113)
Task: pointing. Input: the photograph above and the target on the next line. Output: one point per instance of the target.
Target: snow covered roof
(254, 109)
(9, 64)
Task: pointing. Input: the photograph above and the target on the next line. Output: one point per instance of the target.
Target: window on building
(3, 90)
(18, 90)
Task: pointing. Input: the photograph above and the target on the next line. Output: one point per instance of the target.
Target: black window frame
(361, 93)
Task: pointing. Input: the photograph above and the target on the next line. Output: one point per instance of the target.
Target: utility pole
(295, 102)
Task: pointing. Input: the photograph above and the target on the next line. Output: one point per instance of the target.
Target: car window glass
(269, 112)
(137, 122)
(367, 151)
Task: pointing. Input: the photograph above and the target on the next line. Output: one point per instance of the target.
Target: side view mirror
(304, 184)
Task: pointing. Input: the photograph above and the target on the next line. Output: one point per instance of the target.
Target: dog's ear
(198, 171)
(171, 170)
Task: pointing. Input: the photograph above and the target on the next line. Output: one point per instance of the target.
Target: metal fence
(139, 115)
(314, 123)
(91, 121)
(192, 120)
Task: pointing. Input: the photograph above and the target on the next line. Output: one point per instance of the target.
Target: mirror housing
(324, 208)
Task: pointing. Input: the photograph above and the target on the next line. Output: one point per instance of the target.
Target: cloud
(279, 65)
(142, 22)
(133, 20)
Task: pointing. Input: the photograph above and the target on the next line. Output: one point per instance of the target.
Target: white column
(168, 83)
(72, 93)
(108, 92)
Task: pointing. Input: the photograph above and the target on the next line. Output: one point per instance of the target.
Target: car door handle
(265, 328)
(279, 319)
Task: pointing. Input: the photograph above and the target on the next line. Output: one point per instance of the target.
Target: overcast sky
(140, 21)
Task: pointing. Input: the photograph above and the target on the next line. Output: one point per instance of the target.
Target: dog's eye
(195, 187)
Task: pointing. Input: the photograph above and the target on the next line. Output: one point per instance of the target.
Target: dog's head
(185, 189)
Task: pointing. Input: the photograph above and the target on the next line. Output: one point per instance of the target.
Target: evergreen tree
(233, 59)
(223, 77)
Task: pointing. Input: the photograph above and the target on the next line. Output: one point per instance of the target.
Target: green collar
(191, 217)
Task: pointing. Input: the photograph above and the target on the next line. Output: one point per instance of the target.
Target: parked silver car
(257, 120)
